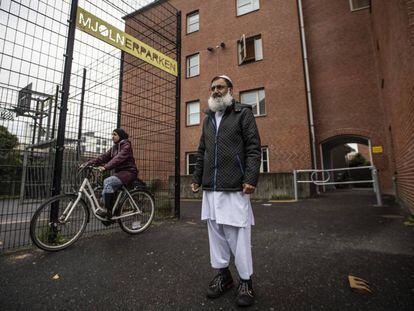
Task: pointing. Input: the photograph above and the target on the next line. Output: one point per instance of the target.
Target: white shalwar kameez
(229, 218)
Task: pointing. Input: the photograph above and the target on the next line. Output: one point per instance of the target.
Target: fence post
(374, 174)
(177, 186)
(121, 81)
(82, 102)
(60, 140)
(23, 183)
(295, 184)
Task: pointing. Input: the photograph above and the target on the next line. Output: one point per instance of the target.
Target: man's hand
(195, 187)
(101, 168)
(248, 189)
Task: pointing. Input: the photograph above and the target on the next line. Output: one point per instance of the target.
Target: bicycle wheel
(139, 222)
(56, 235)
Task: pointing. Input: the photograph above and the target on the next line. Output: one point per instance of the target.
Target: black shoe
(220, 284)
(106, 213)
(245, 294)
(103, 213)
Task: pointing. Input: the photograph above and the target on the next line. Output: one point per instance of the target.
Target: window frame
(259, 114)
(187, 68)
(256, 58)
(187, 161)
(187, 117)
(251, 3)
(262, 160)
(351, 6)
(196, 12)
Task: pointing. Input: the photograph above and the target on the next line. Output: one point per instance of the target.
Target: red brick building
(360, 60)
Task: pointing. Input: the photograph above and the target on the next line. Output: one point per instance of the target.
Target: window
(98, 141)
(104, 142)
(191, 163)
(256, 98)
(193, 65)
(357, 5)
(264, 165)
(193, 22)
(193, 113)
(250, 49)
(98, 150)
(247, 6)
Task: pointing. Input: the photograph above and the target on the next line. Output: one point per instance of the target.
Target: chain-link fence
(109, 88)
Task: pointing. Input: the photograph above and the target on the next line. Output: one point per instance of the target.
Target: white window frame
(190, 66)
(193, 23)
(351, 6)
(187, 160)
(262, 160)
(249, 5)
(255, 104)
(242, 49)
(188, 113)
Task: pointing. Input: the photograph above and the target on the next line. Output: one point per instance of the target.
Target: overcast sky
(32, 43)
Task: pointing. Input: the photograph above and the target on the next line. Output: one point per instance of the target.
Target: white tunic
(227, 207)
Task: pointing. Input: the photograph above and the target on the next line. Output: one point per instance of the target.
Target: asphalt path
(303, 253)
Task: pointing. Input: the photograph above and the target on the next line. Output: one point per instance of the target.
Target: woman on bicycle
(119, 158)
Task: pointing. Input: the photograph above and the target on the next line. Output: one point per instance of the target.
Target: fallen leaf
(359, 285)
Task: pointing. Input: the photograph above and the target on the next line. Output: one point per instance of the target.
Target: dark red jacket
(119, 158)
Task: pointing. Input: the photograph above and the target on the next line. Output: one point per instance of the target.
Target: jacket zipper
(213, 120)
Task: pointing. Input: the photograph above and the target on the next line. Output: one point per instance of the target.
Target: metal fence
(348, 176)
(47, 128)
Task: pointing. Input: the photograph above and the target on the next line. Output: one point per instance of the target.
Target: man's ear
(231, 91)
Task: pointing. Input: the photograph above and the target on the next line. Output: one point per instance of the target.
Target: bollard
(295, 184)
(377, 190)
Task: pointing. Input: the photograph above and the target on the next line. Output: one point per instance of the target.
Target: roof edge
(145, 8)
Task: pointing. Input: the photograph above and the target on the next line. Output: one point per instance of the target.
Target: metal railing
(326, 179)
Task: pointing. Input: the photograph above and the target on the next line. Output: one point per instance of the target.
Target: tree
(10, 161)
(358, 160)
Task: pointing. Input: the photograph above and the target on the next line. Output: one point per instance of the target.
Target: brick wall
(344, 80)
(393, 27)
(284, 129)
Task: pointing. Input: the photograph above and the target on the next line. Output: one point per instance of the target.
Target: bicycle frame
(87, 190)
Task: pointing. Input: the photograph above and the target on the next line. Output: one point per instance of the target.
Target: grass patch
(50, 237)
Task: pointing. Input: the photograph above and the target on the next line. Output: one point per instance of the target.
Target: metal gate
(63, 90)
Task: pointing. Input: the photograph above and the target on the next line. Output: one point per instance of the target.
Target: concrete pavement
(303, 253)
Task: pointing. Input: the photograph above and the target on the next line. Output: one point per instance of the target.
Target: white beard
(220, 103)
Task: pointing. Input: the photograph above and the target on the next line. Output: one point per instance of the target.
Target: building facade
(360, 64)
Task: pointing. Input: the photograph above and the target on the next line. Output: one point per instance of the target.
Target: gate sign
(100, 29)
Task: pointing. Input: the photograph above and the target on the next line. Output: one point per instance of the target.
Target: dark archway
(336, 152)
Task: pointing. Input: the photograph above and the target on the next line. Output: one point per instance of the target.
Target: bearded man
(227, 168)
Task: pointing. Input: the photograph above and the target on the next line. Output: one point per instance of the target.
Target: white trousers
(224, 240)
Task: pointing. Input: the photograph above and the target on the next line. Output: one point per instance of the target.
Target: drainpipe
(308, 88)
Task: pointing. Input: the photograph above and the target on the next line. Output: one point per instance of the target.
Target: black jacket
(232, 157)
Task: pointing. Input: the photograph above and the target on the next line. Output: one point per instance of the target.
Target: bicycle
(60, 221)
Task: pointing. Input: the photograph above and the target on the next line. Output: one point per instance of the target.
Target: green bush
(358, 160)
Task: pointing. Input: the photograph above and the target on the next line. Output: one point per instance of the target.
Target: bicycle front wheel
(51, 229)
(141, 211)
